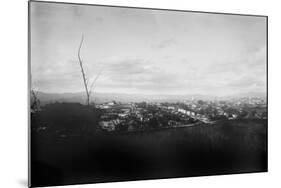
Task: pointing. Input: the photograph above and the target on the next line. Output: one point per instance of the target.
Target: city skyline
(147, 51)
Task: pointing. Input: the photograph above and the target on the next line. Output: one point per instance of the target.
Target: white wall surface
(13, 93)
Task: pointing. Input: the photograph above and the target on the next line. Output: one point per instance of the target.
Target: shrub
(67, 118)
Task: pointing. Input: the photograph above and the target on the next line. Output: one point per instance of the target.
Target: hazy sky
(146, 51)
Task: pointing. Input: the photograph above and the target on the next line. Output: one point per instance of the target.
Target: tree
(200, 102)
(34, 99)
(35, 102)
(88, 88)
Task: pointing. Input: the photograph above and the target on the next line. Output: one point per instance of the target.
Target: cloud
(245, 81)
(143, 51)
(138, 74)
(126, 67)
(164, 44)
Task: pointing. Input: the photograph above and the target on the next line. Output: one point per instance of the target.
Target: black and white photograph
(125, 93)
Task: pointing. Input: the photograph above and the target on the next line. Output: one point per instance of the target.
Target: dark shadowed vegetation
(69, 148)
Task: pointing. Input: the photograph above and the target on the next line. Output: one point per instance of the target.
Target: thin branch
(82, 70)
(87, 81)
(95, 80)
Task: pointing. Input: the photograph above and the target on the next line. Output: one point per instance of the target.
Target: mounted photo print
(128, 93)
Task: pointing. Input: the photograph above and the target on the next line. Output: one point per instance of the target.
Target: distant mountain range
(80, 97)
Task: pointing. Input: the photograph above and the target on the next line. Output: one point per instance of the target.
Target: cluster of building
(145, 116)
(140, 116)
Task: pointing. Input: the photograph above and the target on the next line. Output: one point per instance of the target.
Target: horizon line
(154, 94)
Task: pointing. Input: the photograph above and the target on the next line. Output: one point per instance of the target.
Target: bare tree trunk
(85, 81)
(88, 87)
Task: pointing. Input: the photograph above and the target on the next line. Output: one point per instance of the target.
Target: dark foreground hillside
(82, 154)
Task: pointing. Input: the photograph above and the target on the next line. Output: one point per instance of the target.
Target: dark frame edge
(267, 90)
(28, 92)
(146, 8)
